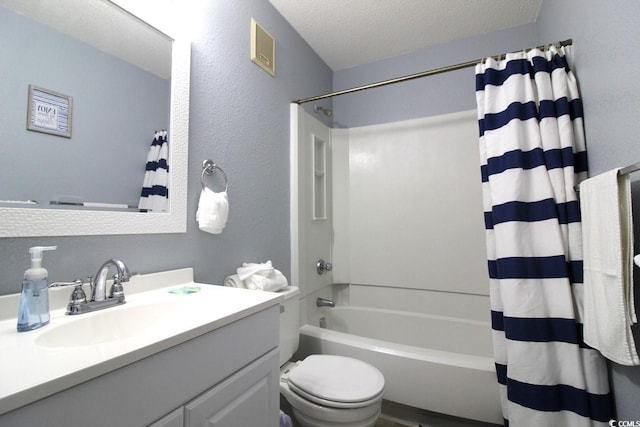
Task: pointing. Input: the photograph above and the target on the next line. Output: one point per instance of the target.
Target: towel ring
(209, 168)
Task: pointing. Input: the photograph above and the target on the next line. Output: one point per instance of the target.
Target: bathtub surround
(417, 303)
(388, 189)
(533, 154)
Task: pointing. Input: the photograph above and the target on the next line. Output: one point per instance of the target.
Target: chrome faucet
(323, 302)
(78, 303)
(99, 289)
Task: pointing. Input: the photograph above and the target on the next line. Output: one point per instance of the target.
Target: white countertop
(39, 363)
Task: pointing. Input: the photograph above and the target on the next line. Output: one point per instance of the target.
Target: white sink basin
(111, 324)
(74, 349)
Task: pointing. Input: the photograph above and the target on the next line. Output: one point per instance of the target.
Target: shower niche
(319, 178)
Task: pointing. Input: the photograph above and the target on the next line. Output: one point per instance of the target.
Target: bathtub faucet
(323, 302)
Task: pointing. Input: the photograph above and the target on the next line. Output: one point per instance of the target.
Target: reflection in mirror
(101, 60)
(127, 80)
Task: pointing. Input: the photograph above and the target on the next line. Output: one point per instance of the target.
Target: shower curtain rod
(441, 70)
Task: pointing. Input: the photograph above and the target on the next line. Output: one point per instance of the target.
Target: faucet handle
(61, 284)
(323, 266)
(78, 297)
(117, 290)
(92, 285)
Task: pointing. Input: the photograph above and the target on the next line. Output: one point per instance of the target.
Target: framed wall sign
(49, 112)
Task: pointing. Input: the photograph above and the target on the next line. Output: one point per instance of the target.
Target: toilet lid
(337, 378)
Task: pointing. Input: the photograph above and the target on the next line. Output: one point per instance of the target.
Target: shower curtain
(533, 154)
(155, 186)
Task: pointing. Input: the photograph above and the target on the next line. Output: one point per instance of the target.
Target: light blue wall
(606, 45)
(606, 39)
(444, 93)
(240, 119)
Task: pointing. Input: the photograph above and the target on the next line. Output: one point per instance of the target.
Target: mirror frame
(30, 222)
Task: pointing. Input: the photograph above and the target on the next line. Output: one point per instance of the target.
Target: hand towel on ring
(213, 211)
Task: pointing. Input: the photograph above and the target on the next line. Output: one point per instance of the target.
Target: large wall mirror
(125, 80)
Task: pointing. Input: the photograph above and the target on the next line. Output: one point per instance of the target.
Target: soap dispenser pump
(34, 298)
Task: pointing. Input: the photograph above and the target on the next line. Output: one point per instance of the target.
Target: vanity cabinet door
(250, 397)
(174, 419)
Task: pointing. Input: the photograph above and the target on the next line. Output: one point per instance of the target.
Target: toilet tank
(289, 323)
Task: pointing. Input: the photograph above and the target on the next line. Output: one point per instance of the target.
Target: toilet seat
(333, 404)
(337, 381)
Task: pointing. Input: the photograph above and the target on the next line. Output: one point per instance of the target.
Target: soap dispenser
(34, 298)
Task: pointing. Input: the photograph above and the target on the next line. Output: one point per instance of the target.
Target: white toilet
(325, 390)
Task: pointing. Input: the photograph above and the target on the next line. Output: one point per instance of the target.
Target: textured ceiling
(346, 33)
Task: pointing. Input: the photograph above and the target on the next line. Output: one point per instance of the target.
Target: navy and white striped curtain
(155, 186)
(533, 154)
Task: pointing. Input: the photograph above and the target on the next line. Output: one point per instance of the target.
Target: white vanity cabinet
(174, 419)
(244, 399)
(224, 377)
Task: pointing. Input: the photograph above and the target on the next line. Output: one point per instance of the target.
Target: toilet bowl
(325, 390)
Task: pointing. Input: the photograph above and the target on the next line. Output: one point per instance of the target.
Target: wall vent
(263, 48)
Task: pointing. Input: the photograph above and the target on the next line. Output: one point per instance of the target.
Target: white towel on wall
(607, 233)
(213, 211)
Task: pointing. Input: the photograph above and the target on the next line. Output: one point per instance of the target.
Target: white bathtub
(436, 363)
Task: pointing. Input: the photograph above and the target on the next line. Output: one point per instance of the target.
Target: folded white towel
(213, 211)
(261, 276)
(250, 268)
(607, 235)
(233, 281)
(270, 283)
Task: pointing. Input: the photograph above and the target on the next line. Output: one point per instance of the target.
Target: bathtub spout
(323, 302)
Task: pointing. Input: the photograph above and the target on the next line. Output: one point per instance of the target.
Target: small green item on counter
(184, 290)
